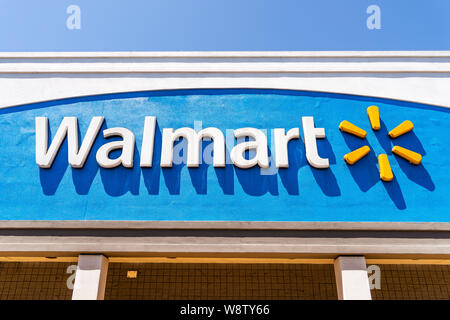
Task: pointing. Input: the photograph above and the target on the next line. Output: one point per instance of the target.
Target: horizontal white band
(416, 76)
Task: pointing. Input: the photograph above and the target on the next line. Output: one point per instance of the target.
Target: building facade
(225, 175)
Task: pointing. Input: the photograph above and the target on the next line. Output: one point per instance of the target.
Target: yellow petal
(356, 155)
(402, 128)
(411, 156)
(352, 129)
(385, 168)
(374, 117)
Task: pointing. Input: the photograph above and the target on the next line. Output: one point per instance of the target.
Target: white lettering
(281, 146)
(310, 134)
(148, 141)
(193, 149)
(259, 145)
(69, 127)
(127, 146)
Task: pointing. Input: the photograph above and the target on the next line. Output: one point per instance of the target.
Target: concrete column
(351, 278)
(90, 279)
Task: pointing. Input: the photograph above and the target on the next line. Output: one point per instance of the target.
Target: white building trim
(352, 281)
(422, 77)
(90, 278)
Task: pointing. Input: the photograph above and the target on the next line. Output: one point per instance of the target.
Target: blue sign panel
(301, 192)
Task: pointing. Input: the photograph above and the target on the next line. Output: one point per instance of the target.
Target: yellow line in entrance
(409, 261)
(39, 259)
(218, 260)
(224, 260)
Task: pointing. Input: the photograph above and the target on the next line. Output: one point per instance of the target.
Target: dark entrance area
(213, 281)
(36, 280)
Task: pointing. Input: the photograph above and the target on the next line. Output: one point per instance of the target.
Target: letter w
(69, 126)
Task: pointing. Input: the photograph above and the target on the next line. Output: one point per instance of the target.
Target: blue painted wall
(300, 193)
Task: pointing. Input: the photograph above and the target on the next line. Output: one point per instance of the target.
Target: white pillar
(351, 278)
(90, 279)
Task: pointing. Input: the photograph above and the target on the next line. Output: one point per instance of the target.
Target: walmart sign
(233, 155)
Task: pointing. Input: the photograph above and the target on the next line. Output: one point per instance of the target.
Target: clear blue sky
(160, 25)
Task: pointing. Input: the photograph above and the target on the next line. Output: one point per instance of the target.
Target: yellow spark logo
(383, 161)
